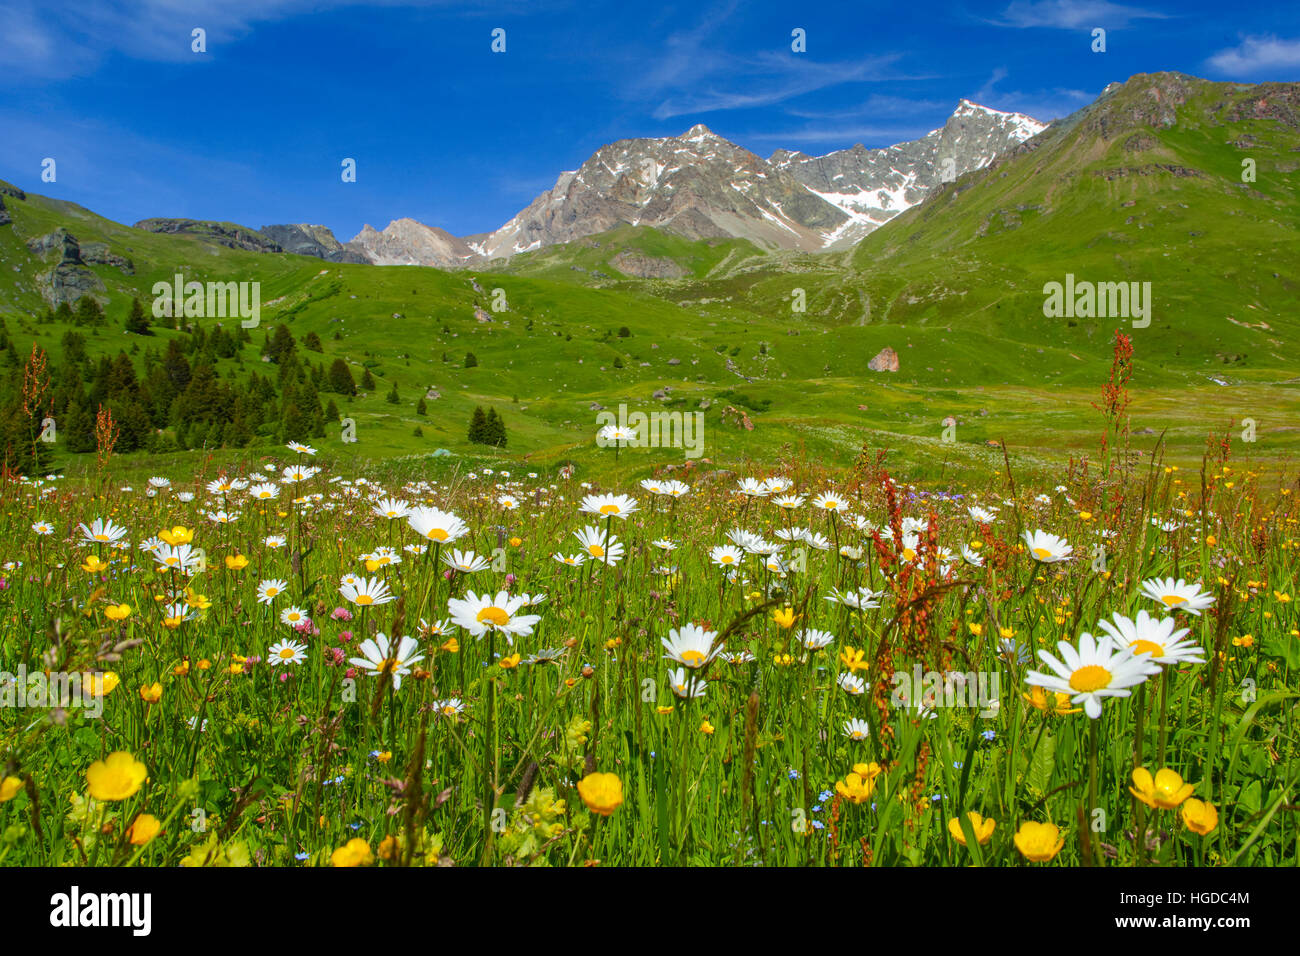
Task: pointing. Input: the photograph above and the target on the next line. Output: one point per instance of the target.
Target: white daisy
(1147, 635)
(1047, 548)
(1095, 670)
(380, 658)
(286, 652)
(366, 591)
(1178, 595)
(692, 645)
(478, 615)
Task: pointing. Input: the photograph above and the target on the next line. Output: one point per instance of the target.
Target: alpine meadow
(923, 504)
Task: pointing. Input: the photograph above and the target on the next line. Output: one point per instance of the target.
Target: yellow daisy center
(286, 653)
(1147, 647)
(438, 534)
(1089, 678)
(365, 599)
(692, 658)
(1042, 553)
(1172, 600)
(495, 616)
(609, 509)
(596, 551)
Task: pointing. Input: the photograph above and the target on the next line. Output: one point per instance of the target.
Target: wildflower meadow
(302, 665)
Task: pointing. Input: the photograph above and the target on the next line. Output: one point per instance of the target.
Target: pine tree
(471, 360)
(478, 426)
(420, 407)
(368, 381)
(496, 429)
(136, 322)
(392, 397)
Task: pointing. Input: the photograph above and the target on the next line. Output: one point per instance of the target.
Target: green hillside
(1142, 186)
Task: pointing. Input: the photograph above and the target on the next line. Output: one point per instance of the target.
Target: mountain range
(696, 185)
(1169, 180)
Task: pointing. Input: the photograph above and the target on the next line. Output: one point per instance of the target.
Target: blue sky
(447, 132)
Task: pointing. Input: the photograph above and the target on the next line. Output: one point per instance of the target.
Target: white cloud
(1256, 55)
(1073, 14)
(774, 78)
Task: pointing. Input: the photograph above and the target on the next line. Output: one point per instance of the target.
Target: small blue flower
(989, 735)
(825, 795)
(302, 856)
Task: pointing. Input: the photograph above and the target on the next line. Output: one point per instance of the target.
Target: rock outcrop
(886, 360)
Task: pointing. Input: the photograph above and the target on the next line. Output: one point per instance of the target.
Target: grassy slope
(955, 286)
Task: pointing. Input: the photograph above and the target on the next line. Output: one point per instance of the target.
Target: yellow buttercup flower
(93, 565)
(177, 535)
(356, 852)
(1039, 842)
(196, 601)
(983, 828)
(9, 788)
(854, 659)
(1200, 816)
(151, 693)
(706, 727)
(100, 685)
(450, 645)
(860, 783)
(1037, 697)
(144, 828)
(1165, 791)
(509, 663)
(116, 777)
(236, 562)
(601, 792)
(117, 612)
(784, 617)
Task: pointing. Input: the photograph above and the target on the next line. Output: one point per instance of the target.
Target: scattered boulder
(673, 361)
(98, 253)
(642, 266)
(886, 360)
